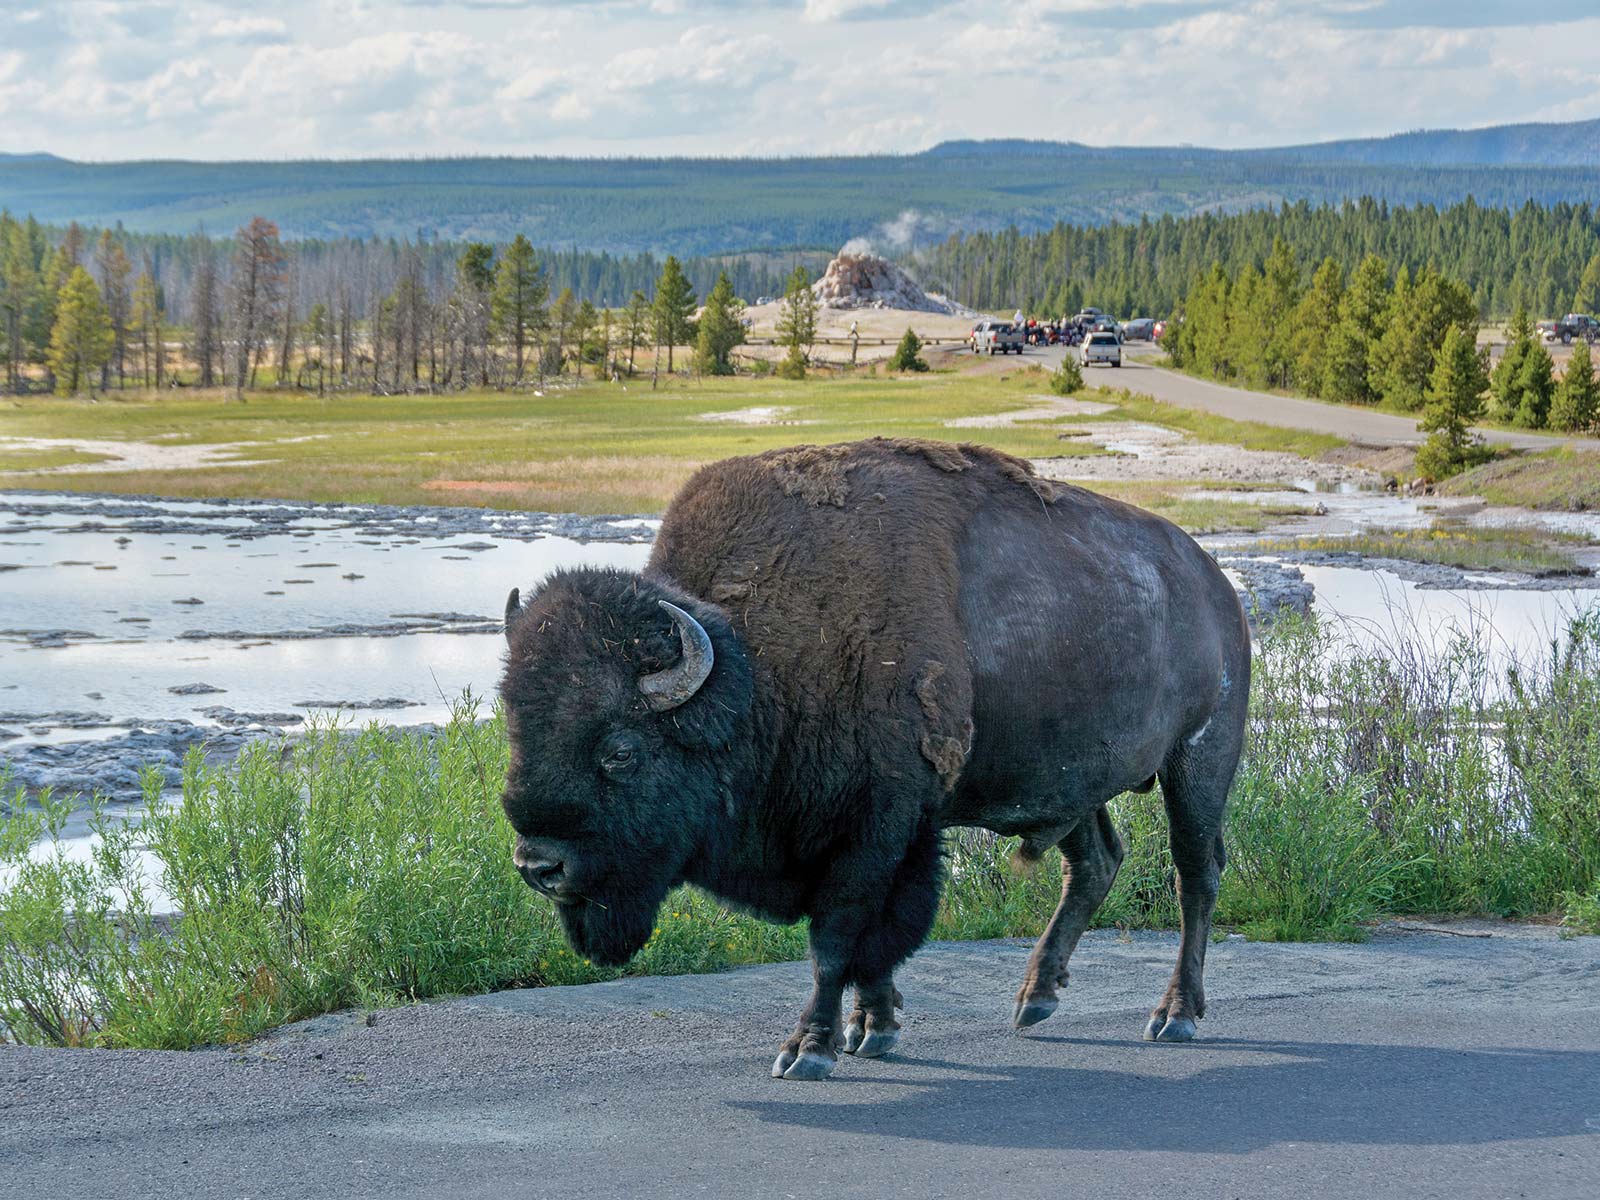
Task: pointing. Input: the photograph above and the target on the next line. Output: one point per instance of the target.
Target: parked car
(1140, 329)
(1570, 328)
(996, 337)
(1104, 347)
(1159, 331)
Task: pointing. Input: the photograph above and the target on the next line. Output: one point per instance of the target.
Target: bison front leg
(860, 933)
(871, 1030)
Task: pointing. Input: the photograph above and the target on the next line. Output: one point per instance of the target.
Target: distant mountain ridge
(719, 205)
(1548, 144)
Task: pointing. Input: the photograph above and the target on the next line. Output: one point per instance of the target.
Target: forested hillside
(1546, 259)
(1573, 143)
(704, 206)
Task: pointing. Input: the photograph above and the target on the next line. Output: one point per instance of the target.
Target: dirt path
(1238, 404)
(1418, 1064)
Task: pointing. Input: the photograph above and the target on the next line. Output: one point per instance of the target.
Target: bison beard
(834, 653)
(611, 931)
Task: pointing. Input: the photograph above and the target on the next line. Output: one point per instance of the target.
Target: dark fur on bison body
(903, 636)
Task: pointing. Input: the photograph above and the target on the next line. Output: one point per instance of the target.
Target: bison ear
(513, 607)
(712, 717)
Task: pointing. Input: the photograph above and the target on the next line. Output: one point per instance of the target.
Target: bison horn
(667, 689)
(513, 607)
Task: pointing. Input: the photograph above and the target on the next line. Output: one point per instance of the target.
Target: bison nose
(540, 867)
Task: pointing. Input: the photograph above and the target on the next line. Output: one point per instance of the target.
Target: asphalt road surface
(1341, 420)
(1418, 1064)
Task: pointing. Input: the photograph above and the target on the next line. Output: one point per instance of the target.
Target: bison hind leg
(1194, 786)
(1090, 855)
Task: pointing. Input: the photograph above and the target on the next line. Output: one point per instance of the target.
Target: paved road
(1415, 1065)
(1345, 421)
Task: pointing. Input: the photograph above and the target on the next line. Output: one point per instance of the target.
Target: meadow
(595, 448)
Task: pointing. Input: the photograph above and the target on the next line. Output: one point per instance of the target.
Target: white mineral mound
(868, 281)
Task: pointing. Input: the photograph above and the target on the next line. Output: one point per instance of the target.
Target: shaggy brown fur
(908, 635)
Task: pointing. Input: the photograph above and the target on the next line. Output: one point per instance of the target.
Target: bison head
(628, 705)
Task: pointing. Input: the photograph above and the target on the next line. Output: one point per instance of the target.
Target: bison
(835, 653)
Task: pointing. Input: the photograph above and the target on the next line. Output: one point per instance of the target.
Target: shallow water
(1376, 610)
(320, 613)
(1354, 510)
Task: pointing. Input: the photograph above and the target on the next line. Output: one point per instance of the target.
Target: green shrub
(907, 355)
(1067, 379)
(1582, 914)
(373, 868)
(791, 366)
(366, 869)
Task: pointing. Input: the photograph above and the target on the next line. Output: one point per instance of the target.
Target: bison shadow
(1301, 1092)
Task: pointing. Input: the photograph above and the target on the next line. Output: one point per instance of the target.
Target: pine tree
(318, 332)
(518, 307)
(908, 354)
(562, 314)
(674, 307)
(1504, 384)
(797, 324)
(206, 306)
(1362, 314)
(721, 329)
(82, 340)
(1246, 345)
(20, 298)
(1454, 401)
(1419, 313)
(255, 291)
(1208, 314)
(636, 322)
(585, 323)
(111, 260)
(1313, 320)
(1588, 298)
(1276, 305)
(1576, 406)
(1536, 388)
(146, 321)
(470, 305)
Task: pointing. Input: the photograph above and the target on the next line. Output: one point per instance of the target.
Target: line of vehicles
(1570, 328)
(1098, 335)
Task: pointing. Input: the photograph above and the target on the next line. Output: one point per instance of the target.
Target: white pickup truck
(1102, 348)
(996, 337)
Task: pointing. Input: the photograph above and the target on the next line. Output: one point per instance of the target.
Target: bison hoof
(877, 1043)
(808, 1066)
(1163, 1028)
(1033, 1010)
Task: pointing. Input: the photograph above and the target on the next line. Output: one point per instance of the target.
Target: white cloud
(215, 79)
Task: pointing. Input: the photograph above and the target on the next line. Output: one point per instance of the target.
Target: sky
(118, 79)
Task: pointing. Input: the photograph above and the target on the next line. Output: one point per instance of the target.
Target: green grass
(376, 869)
(1564, 479)
(1532, 552)
(596, 448)
(21, 458)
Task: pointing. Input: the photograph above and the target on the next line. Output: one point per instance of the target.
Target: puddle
(325, 608)
(1376, 610)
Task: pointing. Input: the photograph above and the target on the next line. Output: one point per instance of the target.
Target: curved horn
(667, 689)
(513, 607)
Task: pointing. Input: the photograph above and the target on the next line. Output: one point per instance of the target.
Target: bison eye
(619, 755)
